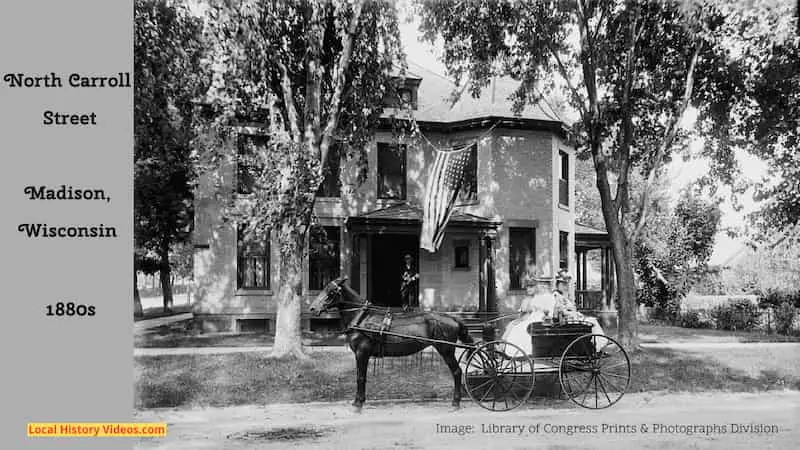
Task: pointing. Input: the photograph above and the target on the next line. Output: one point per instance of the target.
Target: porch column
(482, 285)
(487, 248)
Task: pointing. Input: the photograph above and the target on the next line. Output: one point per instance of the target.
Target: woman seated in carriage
(537, 308)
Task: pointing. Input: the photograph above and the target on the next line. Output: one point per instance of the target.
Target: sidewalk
(148, 324)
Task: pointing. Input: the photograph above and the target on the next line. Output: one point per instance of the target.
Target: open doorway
(386, 268)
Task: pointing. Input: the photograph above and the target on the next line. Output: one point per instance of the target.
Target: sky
(681, 172)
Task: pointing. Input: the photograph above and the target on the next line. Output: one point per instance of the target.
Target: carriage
(593, 370)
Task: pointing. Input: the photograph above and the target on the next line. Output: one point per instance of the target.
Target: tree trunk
(166, 279)
(628, 323)
(288, 330)
(137, 299)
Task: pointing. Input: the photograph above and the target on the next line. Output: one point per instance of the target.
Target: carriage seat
(550, 340)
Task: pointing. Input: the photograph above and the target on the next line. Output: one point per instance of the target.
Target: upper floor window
(391, 171)
(403, 95)
(323, 257)
(248, 163)
(522, 256)
(469, 189)
(332, 183)
(252, 261)
(563, 178)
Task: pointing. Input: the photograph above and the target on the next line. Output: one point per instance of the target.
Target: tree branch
(313, 113)
(621, 200)
(670, 133)
(288, 101)
(339, 79)
(565, 76)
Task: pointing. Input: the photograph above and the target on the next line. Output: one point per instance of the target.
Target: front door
(386, 267)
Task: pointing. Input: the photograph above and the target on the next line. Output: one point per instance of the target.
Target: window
(522, 251)
(404, 95)
(252, 261)
(247, 161)
(563, 180)
(563, 250)
(323, 257)
(461, 256)
(391, 171)
(331, 183)
(469, 190)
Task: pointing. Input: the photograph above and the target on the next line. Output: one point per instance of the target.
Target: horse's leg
(362, 364)
(448, 353)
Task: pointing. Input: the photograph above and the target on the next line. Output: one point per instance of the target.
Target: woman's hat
(563, 276)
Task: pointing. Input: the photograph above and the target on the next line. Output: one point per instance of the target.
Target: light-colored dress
(535, 309)
(532, 310)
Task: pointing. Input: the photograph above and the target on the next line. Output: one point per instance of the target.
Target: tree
(170, 76)
(630, 69)
(674, 255)
(313, 74)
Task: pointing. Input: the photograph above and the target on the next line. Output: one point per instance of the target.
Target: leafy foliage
(785, 315)
(630, 70)
(308, 75)
(739, 314)
(675, 255)
(170, 75)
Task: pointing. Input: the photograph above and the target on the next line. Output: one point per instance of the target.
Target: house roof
(408, 213)
(436, 105)
(586, 229)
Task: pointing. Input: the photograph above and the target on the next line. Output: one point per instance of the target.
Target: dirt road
(639, 421)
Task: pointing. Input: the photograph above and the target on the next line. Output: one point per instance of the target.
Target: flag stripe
(444, 183)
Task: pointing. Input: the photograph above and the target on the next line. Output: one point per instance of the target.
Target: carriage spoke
(612, 384)
(482, 384)
(487, 393)
(595, 392)
(604, 391)
(620, 364)
(611, 374)
(586, 390)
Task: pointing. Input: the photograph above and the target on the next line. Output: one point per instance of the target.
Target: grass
(182, 334)
(251, 378)
(667, 333)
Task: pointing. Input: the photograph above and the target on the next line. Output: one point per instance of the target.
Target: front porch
(458, 277)
(595, 286)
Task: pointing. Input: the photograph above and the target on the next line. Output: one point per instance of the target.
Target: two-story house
(515, 224)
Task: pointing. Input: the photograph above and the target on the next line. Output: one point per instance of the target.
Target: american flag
(444, 184)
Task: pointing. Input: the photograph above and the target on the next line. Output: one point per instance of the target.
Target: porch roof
(589, 237)
(407, 214)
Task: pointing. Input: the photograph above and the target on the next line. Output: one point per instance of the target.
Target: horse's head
(329, 297)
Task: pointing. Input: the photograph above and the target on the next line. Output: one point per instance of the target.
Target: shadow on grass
(183, 334)
(250, 378)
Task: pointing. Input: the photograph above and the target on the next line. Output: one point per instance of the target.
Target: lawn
(251, 378)
(182, 334)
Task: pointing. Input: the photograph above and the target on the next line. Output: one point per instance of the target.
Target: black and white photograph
(412, 224)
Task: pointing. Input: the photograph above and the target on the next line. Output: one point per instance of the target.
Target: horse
(422, 327)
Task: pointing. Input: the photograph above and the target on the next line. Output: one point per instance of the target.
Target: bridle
(335, 289)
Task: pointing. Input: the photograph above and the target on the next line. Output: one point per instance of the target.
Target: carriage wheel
(594, 371)
(499, 376)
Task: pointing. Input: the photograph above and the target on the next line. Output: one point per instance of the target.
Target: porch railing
(589, 300)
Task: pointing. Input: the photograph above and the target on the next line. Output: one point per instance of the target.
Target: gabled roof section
(436, 105)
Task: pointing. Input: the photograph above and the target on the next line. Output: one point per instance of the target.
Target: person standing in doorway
(408, 283)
